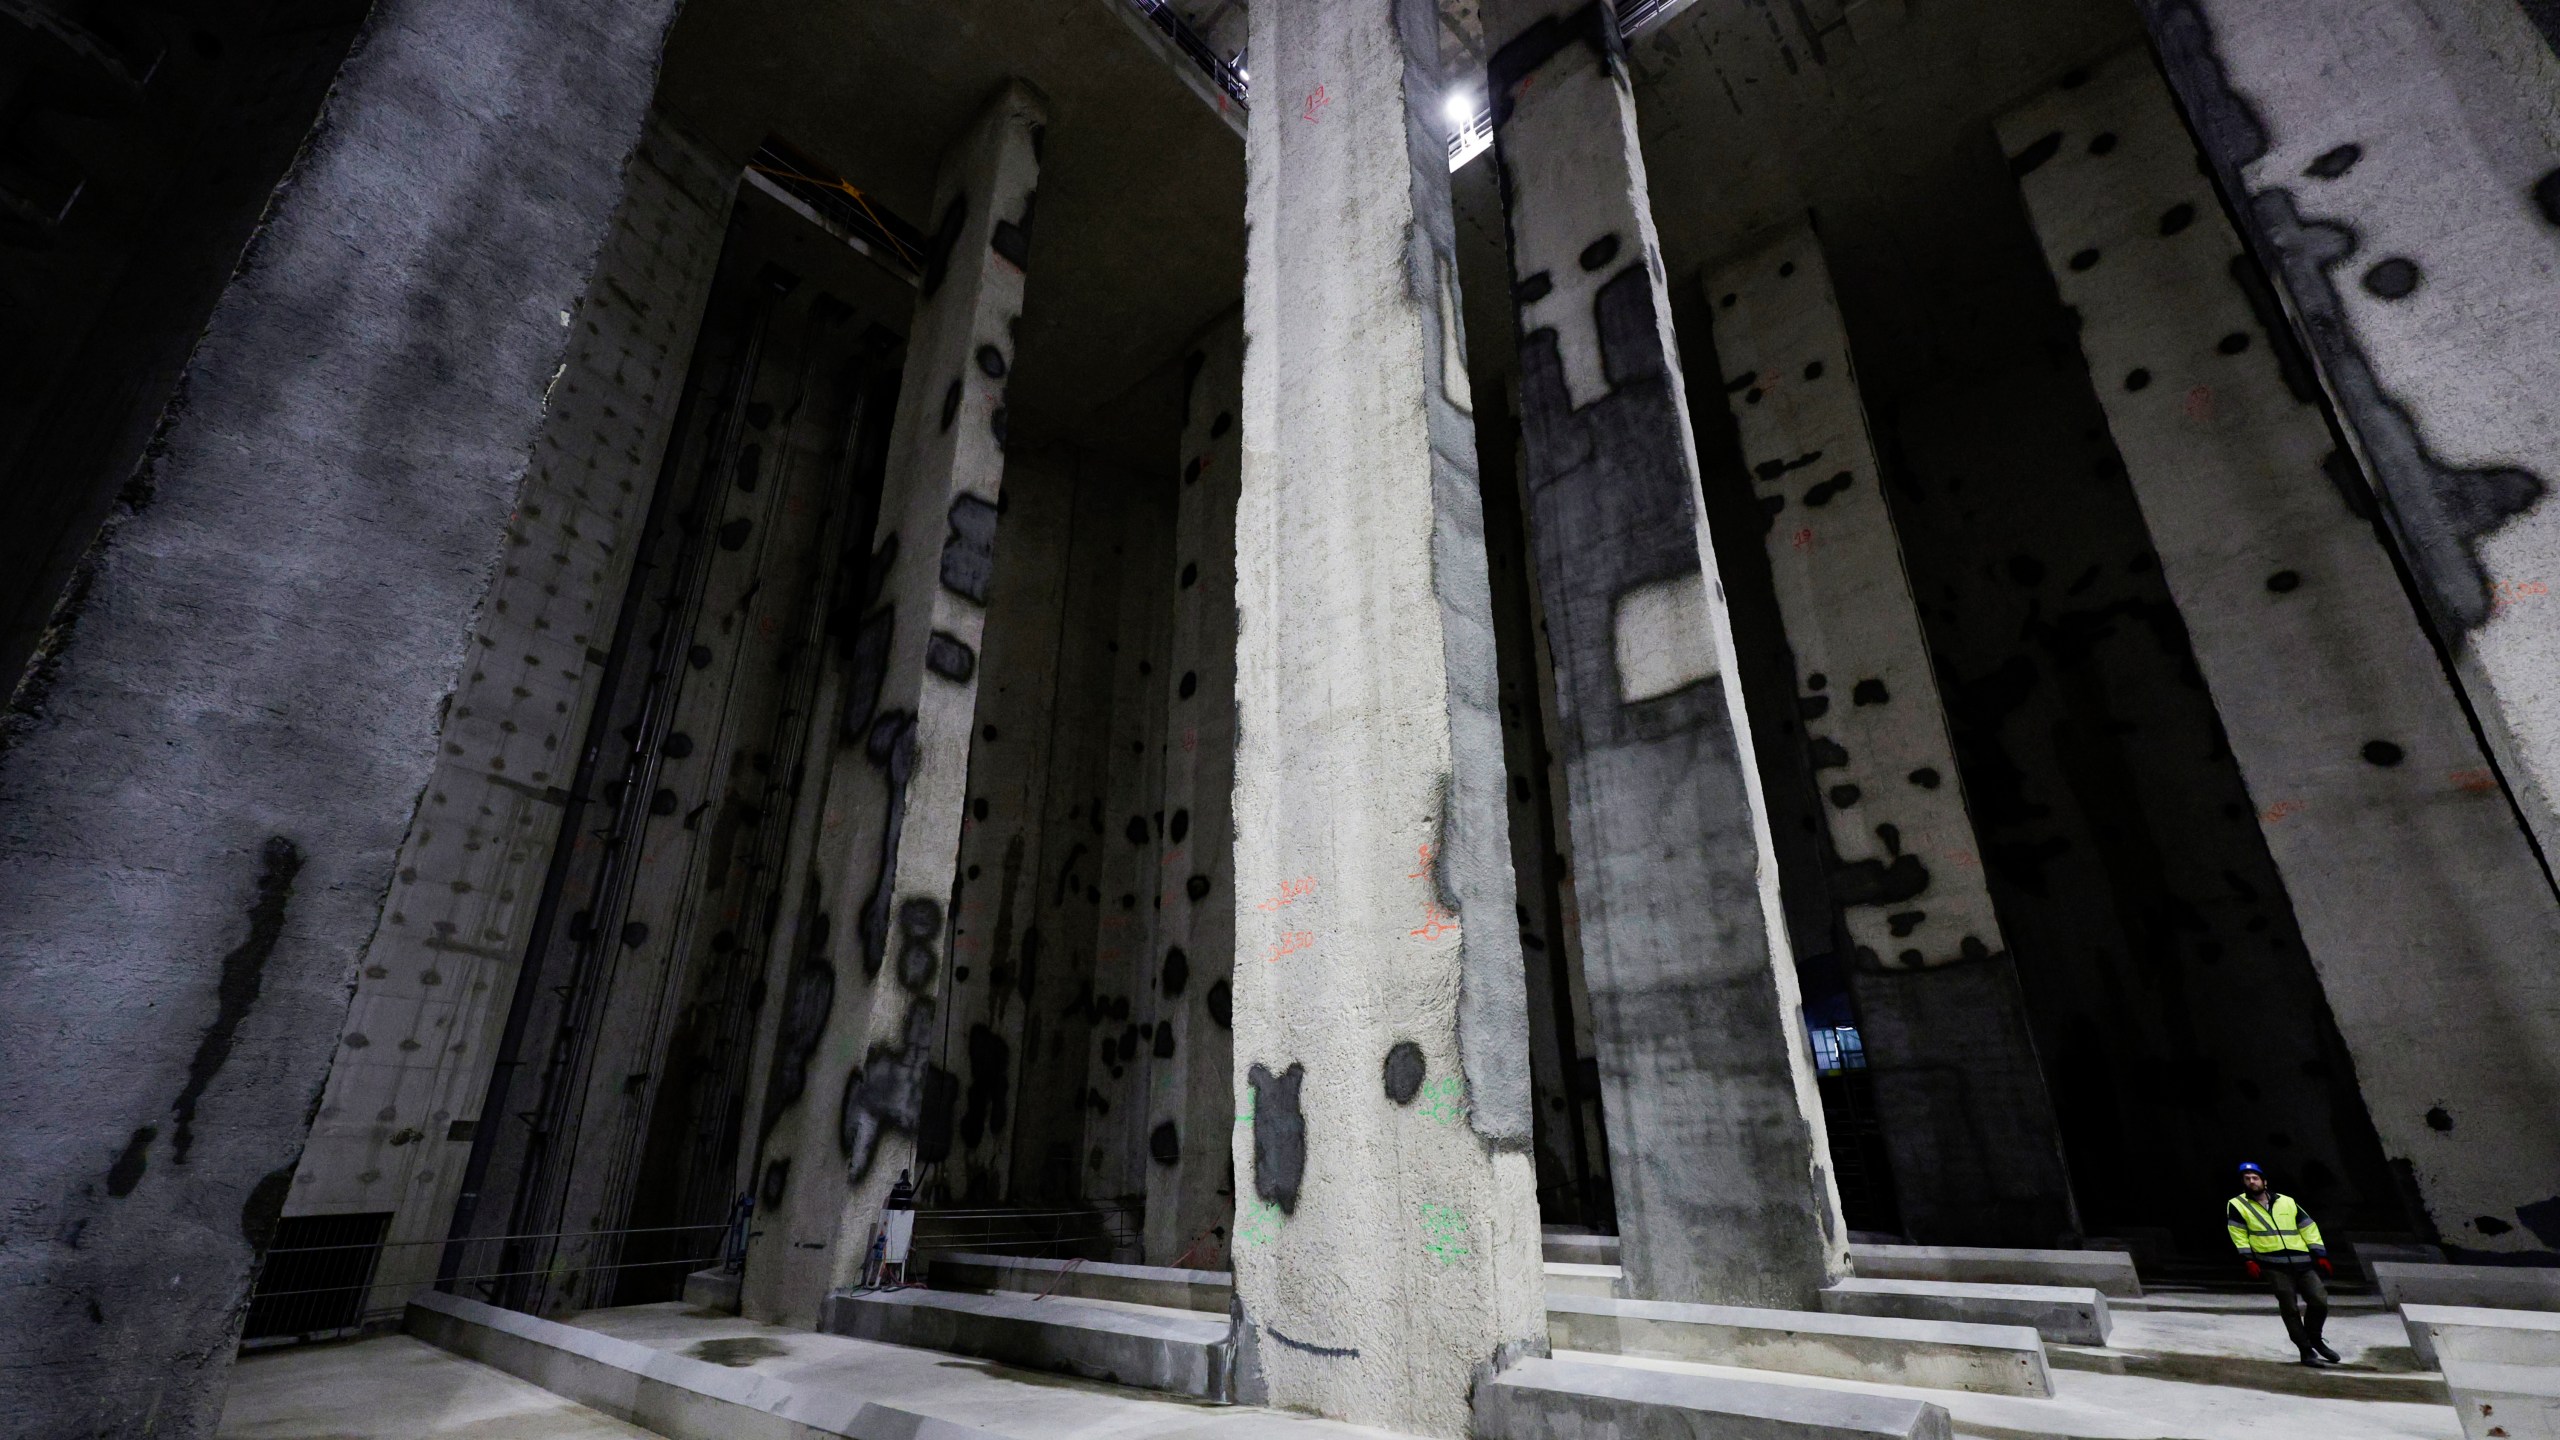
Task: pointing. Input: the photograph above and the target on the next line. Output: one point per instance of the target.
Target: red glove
(2323, 1262)
(2254, 1272)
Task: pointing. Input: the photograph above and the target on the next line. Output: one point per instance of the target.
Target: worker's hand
(2323, 1262)
(2254, 1272)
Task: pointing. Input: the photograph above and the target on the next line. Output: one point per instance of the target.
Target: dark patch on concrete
(2546, 197)
(1279, 1135)
(995, 425)
(990, 1085)
(2439, 1119)
(1164, 1144)
(2334, 162)
(1164, 1042)
(1770, 469)
(1179, 827)
(1221, 1004)
(1844, 796)
(919, 923)
(1821, 493)
(2440, 511)
(1826, 753)
(1869, 691)
(1534, 289)
(951, 406)
(969, 551)
(808, 998)
(2177, 218)
(2383, 753)
(130, 1162)
(1591, 25)
(1404, 1071)
(264, 1209)
(1012, 239)
(991, 362)
(866, 672)
(243, 972)
(886, 1092)
(2037, 151)
(1197, 888)
(2542, 1217)
(937, 249)
(1926, 777)
(1177, 973)
(950, 657)
(1136, 830)
(777, 1179)
(2393, 279)
(737, 1351)
(892, 747)
(1598, 253)
(1876, 882)
(933, 1126)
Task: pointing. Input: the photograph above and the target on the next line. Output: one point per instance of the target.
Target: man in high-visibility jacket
(2280, 1243)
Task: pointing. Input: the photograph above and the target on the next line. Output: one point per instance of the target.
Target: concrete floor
(393, 1386)
(2180, 1368)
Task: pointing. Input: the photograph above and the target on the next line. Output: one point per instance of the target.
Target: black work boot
(2312, 1359)
(2325, 1352)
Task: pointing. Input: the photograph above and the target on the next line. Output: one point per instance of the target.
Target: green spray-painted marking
(1444, 1233)
(1445, 1100)
(1257, 1224)
(1244, 1117)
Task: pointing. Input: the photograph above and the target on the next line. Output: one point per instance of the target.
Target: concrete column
(1191, 1108)
(2397, 165)
(865, 1042)
(209, 771)
(1977, 1157)
(1388, 1254)
(2418, 894)
(1716, 1143)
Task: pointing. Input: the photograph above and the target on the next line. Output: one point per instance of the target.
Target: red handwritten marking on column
(1803, 539)
(2474, 782)
(764, 624)
(1289, 944)
(2279, 810)
(1291, 892)
(1316, 101)
(2504, 592)
(2200, 403)
(1191, 738)
(1436, 922)
(1964, 859)
(1425, 852)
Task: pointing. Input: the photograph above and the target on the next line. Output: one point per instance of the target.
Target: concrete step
(2064, 1314)
(1203, 1290)
(2109, 1272)
(1146, 1346)
(1538, 1399)
(1933, 1354)
(1600, 1281)
(2470, 1332)
(712, 1289)
(2495, 1287)
(2505, 1402)
(1576, 1249)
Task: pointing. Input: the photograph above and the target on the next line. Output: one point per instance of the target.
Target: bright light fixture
(1461, 109)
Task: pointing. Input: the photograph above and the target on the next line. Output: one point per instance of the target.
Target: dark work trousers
(2302, 1321)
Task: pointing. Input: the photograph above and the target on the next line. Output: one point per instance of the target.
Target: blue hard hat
(2250, 1167)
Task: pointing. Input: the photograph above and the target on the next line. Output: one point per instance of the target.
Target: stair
(1182, 1352)
(1537, 1399)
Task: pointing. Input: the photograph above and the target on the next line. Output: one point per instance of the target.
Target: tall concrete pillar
(2397, 165)
(2418, 894)
(209, 770)
(1977, 1158)
(1387, 1250)
(1192, 1099)
(1716, 1143)
(864, 1023)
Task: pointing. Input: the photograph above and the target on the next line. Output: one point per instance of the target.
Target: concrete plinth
(1153, 1349)
(712, 1290)
(1538, 1399)
(1934, 1354)
(1386, 1238)
(2505, 1402)
(2497, 1287)
(2470, 1332)
(1599, 1282)
(1716, 1146)
(2065, 1314)
(1206, 1290)
(2109, 1272)
(2397, 845)
(1581, 1249)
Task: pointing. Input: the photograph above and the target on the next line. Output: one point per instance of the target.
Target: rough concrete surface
(399, 1385)
(2110, 1272)
(1380, 1038)
(2073, 1315)
(1717, 1151)
(1145, 1347)
(1936, 1354)
(207, 781)
(1543, 1398)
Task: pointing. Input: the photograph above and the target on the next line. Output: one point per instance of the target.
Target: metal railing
(323, 1291)
(1225, 73)
(1091, 1232)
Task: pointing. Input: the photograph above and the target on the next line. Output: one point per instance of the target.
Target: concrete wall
(2397, 165)
(2400, 850)
(403, 1101)
(205, 792)
(1388, 1255)
(1977, 1159)
(1718, 1155)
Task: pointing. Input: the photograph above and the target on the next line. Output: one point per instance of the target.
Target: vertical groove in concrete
(1717, 1149)
(2398, 166)
(1190, 968)
(1978, 1160)
(2401, 856)
(207, 788)
(1387, 1251)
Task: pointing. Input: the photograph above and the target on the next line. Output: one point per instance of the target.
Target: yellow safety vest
(2276, 1227)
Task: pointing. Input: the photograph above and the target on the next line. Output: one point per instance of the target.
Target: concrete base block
(2498, 1337)
(671, 1395)
(713, 1289)
(2505, 1402)
(1211, 1291)
(1935, 1354)
(1568, 1249)
(1594, 1281)
(1180, 1351)
(1539, 1399)
(2109, 1272)
(2494, 1287)
(2064, 1314)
